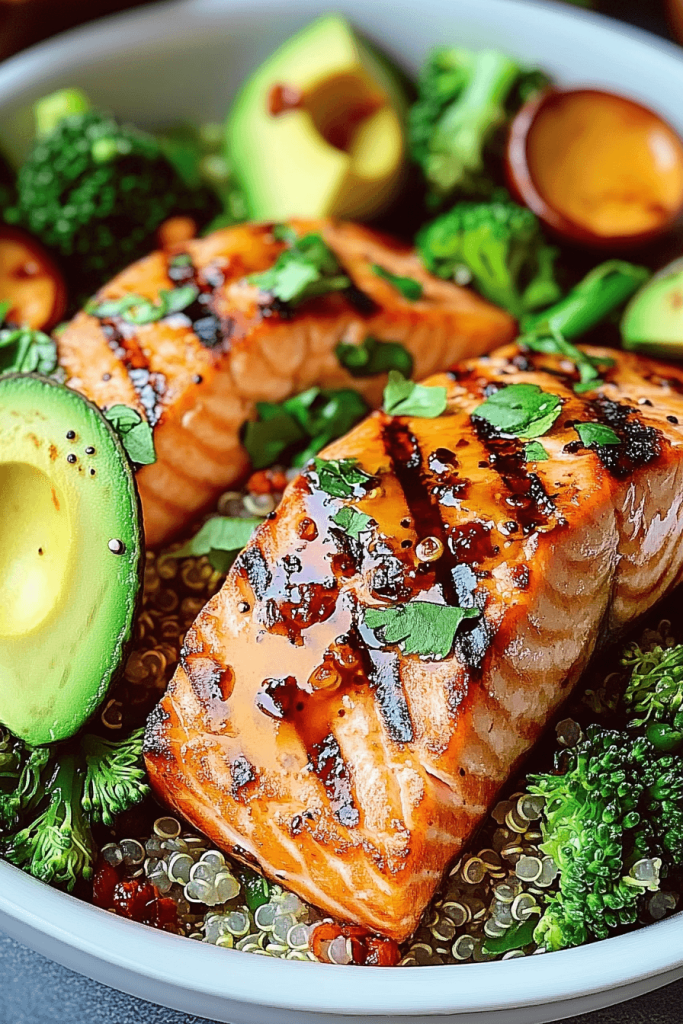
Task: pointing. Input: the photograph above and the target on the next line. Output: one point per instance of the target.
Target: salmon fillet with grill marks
(352, 771)
(197, 375)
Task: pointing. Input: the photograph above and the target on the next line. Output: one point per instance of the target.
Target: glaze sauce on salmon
(197, 375)
(353, 766)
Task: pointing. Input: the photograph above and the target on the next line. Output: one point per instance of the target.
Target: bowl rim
(67, 922)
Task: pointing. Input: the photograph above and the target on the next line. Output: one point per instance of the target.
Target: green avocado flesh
(70, 557)
(336, 148)
(653, 321)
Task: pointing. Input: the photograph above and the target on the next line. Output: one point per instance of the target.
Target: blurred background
(23, 22)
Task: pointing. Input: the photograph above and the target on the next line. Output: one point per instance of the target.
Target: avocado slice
(653, 320)
(318, 129)
(71, 555)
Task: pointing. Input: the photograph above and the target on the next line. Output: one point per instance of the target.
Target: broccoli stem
(460, 133)
(115, 777)
(52, 109)
(602, 291)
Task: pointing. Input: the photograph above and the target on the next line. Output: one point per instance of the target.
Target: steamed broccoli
(115, 777)
(50, 797)
(462, 97)
(613, 818)
(56, 846)
(96, 191)
(500, 246)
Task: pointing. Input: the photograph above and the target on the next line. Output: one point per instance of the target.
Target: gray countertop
(34, 990)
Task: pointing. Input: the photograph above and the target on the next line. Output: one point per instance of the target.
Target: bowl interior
(184, 60)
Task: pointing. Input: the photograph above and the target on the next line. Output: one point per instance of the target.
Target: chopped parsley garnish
(23, 350)
(535, 452)
(523, 410)
(419, 627)
(300, 426)
(374, 356)
(284, 233)
(596, 434)
(352, 522)
(407, 398)
(588, 367)
(220, 539)
(342, 478)
(306, 269)
(136, 309)
(135, 433)
(408, 287)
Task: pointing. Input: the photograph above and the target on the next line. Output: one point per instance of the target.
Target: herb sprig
(373, 356)
(23, 350)
(136, 309)
(220, 539)
(523, 410)
(352, 521)
(341, 478)
(305, 270)
(300, 426)
(596, 434)
(419, 627)
(407, 398)
(588, 367)
(136, 434)
(408, 287)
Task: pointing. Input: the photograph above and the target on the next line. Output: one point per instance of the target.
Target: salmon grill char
(197, 375)
(351, 771)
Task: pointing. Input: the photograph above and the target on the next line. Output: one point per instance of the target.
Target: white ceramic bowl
(184, 60)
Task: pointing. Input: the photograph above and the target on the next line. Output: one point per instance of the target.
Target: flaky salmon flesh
(352, 766)
(197, 375)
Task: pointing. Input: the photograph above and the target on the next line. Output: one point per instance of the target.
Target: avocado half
(71, 557)
(653, 320)
(319, 128)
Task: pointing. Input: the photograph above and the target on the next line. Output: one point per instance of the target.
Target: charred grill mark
(252, 564)
(385, 676)
(361, 301)
(242, 772)
(527, 498)
(330, 767)
(276, 697)
(639, 446)
(406, 458)
(149, 386)
(156, 742)
(205, 323)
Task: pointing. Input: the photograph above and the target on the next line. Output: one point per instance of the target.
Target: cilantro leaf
(419, 627)
(596, 434)
(136, 309)
(220, 539)
(23, 350)
(284, 233)
(520, 935)
(135, 433)
(352, 522)
(300, 426)
(588, 367)
(408, 287)
(306, 269)
(535, 452)
(523, 410)
(342, 478)
(373, 356)
(407, 398)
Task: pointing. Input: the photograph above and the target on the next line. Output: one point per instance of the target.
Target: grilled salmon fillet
(197, 375)
(352, 769)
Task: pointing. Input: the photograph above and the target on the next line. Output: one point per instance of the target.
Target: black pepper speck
(71, 458)
(70, 435)
(672, 419)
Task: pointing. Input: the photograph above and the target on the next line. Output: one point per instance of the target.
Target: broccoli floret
(51, 796)
(655, 690)
(96, 191)
(461, 102)
(595, 830)
(501, 247)
(115, 776)
(57, 845)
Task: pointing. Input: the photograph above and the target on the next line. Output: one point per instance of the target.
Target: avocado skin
(653, 320)
(55, 671)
